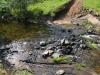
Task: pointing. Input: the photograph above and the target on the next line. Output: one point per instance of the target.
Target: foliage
(92, 45)
(2, 70)
(3, 4)
(46, 7)
(80, 66)
(93, 5)
(22, 9)
(87, 25)
(23, 72)
(61, 59)
(15, 7)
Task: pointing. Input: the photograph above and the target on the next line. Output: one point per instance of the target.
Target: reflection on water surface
(14, 31)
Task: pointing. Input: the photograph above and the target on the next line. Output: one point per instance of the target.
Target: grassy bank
(15, 7)
(92, 4)
(46, 7)
(37, 8)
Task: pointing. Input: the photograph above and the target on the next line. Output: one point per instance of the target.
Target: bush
(92, 4)
(46, 7)
(62, 59)
(22, 9)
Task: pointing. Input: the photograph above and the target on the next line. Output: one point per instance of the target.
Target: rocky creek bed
(55, 54)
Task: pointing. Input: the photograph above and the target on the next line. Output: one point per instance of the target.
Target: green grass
(46, 7)
(62, 59)
(92, 45)
(80, 66)
(23, 72)
(92, 4)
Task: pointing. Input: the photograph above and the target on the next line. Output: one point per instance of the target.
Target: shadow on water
(15, 31)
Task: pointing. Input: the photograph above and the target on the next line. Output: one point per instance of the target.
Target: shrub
(46, 7)
(61, 59)
(80, 66)
(93, 5)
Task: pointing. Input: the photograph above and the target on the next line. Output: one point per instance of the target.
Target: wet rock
(37, 47)
(87, 36)
(50, 47)
(67, 42)
(60, 72)
(55, 55)
(75, 58)
(99, 45)
(83, 46)
(73, 38)
(81, 41)
(45, 54)
(50, 52)
(19, 46)
(63, 30)
(24, 43)
(64, 42)
(17, 59)
(94, 38)
(52, 40)
(42, 43)
(4, 47)
(62, 51)
(42, 48)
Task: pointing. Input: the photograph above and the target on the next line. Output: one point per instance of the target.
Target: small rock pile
(61, 47)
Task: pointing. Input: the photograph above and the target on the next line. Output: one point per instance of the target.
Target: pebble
(55, 55)
(45, 54)
(4, 47)
(75, 58)
(42, 43)
(42, 48)
(81, 45)
(60, 72)
(64, 42)
(50, 47)
(24, 43)
(50, 52)
(98, 45)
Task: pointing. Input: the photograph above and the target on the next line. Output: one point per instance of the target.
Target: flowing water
(14, 31)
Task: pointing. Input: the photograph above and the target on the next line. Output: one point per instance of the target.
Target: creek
(23, 46)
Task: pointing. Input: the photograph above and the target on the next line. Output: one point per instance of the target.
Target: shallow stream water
(15, 31)
(10, 32)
